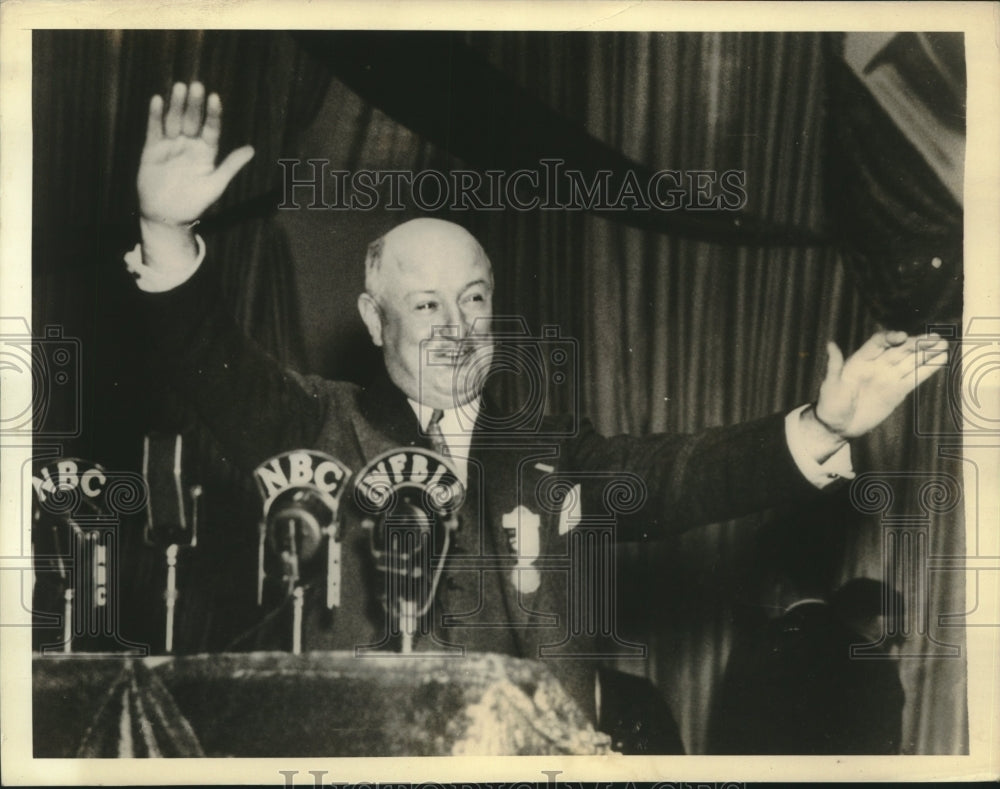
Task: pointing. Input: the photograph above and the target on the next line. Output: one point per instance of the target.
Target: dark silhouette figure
(796, 688)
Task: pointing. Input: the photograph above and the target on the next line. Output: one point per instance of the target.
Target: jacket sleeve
(253, 406)
(691, 480)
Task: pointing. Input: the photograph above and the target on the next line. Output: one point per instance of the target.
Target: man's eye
(475, 298)
(426, 306)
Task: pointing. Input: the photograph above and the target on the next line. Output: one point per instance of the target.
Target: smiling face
(428, 303)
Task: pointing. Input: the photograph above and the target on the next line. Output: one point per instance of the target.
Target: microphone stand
(171, 596)
(297, 601)
(68, 620)
(295, 591)
(408, 612)
(407, 623)
(172, 551)
(332, 565)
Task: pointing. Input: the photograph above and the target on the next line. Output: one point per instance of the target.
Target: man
(428, 303)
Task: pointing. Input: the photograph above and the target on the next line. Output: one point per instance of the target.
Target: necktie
(436, 435)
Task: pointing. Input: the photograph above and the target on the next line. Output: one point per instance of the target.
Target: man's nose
(454, 322)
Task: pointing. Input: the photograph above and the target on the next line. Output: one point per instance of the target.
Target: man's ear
(372, 317)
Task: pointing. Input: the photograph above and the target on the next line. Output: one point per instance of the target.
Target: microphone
(301, 492)
(172, 510)
(77, 507)
(297, 522)
(409, 499)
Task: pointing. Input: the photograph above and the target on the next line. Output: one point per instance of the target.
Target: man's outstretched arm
(253, 406)
(727, 472)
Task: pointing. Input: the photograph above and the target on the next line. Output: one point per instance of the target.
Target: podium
(268, 704)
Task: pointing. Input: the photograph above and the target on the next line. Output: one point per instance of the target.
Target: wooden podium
(268, 704)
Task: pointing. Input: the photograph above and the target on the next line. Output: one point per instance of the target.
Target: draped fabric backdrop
(675, 330)
(91, 92)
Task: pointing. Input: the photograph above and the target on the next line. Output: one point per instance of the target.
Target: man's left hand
(858, 395)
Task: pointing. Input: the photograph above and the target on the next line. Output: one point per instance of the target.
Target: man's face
(433, 308)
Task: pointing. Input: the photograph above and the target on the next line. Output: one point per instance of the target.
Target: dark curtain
(91, 93)
(899, 227)
(88, 144)
(898, 223)
(491, 122)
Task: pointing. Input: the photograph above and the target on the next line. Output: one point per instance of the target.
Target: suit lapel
(387, 419)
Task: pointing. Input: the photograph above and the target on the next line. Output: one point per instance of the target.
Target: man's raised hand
(178, 178)
(859, 394)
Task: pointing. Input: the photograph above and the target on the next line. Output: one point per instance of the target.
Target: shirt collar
(463, 418)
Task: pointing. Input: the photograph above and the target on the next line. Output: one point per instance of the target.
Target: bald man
(427, 305)
(424, 274)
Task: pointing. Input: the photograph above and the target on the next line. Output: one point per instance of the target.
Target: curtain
(893, 169)
(492, 123)
(91, 94)
(87, 127)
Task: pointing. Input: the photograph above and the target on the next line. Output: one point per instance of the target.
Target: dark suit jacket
(631, 488)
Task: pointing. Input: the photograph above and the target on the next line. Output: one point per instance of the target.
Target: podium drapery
(315, 704)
